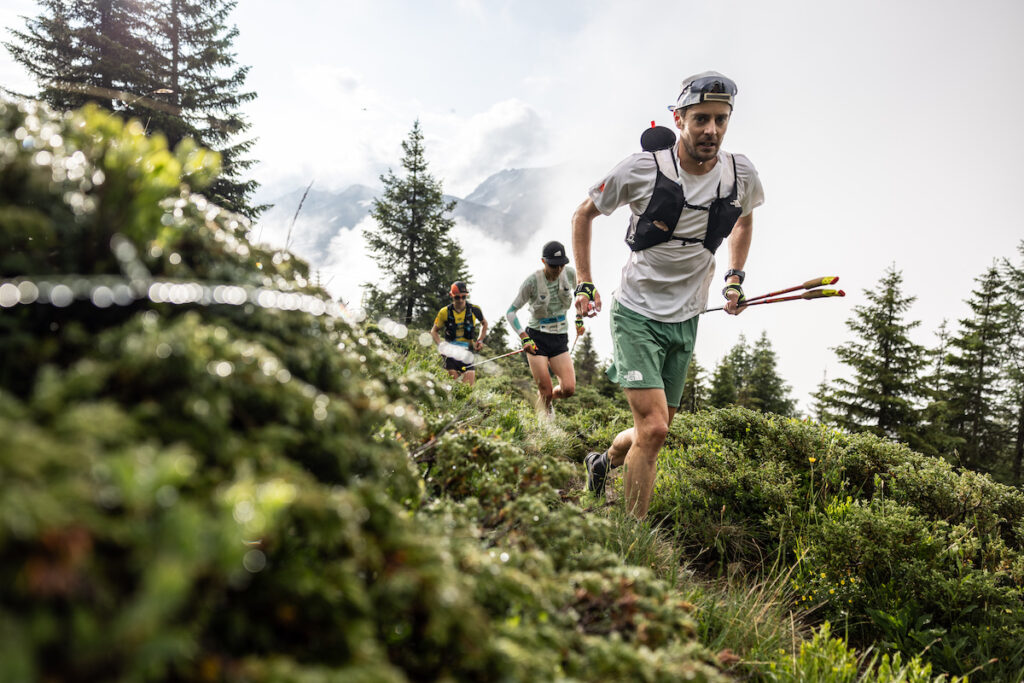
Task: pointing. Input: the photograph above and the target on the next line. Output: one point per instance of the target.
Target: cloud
(347, 265)
(510, 134)
(330, 126)
(338, 130)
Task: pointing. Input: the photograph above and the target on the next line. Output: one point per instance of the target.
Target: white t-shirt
(669, 282)
(529, 294)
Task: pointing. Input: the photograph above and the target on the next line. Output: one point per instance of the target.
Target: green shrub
(240, 491)
(905, 552)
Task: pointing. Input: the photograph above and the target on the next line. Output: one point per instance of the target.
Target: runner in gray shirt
(549, 292)
(685, 200)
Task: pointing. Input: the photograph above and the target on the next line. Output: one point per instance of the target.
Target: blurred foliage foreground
(218, 489)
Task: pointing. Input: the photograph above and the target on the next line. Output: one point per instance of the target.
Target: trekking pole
(504, 355)
(810, 284)
(812, 294)
(579, 333)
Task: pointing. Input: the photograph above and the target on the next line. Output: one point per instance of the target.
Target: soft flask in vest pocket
(666, 205)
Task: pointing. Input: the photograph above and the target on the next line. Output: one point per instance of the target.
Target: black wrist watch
(738, 273)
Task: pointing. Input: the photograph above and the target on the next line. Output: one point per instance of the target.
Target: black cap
(459, 287)
(554, 254)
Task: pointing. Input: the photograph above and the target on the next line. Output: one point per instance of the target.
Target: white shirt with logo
(669, 282)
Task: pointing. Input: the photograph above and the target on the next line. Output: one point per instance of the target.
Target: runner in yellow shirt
(464, 328)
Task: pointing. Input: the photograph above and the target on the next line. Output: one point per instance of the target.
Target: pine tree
(883, 395)
(166, 62)
(724, 391)
(197, 64)
(586, 360)
(976, 375)
(1014, 278)
(820, 402)
(608, 388)
(411, 241)
(729, 384)
(497, 338)
(50, 50)
(82, 51)
(695, 391)
(766, 390)
(936, 436)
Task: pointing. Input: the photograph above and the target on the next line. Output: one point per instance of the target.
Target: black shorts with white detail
(548, 344)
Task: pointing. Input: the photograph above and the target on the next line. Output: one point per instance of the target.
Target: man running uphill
(685, 200)
(459, 322)
(549, 292)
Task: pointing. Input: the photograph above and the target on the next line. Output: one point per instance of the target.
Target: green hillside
(208, 471)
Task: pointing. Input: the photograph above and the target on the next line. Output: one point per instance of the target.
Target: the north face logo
(634, 376)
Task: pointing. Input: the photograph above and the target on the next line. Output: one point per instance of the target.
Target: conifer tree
(695, 391)
(411, 241)
(1014, 279)
(497, 337)
(168, 63)
(766, 390)
(586, 360)
(81, 51)
(976, 375)
(729, 384)
(724, 390)
(819, 402)
(936, 437)
(197, 64)
(883, 395)
(608, 388)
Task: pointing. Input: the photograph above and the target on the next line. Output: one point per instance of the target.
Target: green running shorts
(648, 354)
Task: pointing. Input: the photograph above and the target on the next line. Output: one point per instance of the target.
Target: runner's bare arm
(582, 225)
(739, 247)
(483, 333)
(434, 333)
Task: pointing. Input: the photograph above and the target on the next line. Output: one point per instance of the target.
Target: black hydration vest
(468, 323)
(667, 203)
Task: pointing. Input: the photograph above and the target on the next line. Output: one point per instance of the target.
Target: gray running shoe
(597, 470)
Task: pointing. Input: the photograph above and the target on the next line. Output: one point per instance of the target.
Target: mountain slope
(508, 206)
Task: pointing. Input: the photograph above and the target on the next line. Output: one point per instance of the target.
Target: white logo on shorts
(634, 376)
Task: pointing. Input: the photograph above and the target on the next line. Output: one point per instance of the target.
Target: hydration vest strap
(541, 282)
(728, 177)
(468, 323)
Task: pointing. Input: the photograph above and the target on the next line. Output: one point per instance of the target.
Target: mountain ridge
(507, 205)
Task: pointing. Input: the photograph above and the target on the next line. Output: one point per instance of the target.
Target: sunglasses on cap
(706, 89)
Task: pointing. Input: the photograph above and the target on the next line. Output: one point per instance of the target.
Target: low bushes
(898, 548)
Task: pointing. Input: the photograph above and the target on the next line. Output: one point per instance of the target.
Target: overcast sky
(883, 132)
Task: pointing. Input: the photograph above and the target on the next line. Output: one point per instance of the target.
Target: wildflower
(812, 460)
(831, 591)
(823, 575)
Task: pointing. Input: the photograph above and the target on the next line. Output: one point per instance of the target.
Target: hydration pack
(668, 201)
(451, 331)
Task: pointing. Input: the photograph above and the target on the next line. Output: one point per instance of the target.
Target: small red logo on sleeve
(601, 189)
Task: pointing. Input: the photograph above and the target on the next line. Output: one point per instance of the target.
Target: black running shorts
(548, 344)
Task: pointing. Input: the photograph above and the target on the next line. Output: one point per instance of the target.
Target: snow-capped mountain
(508, 206)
